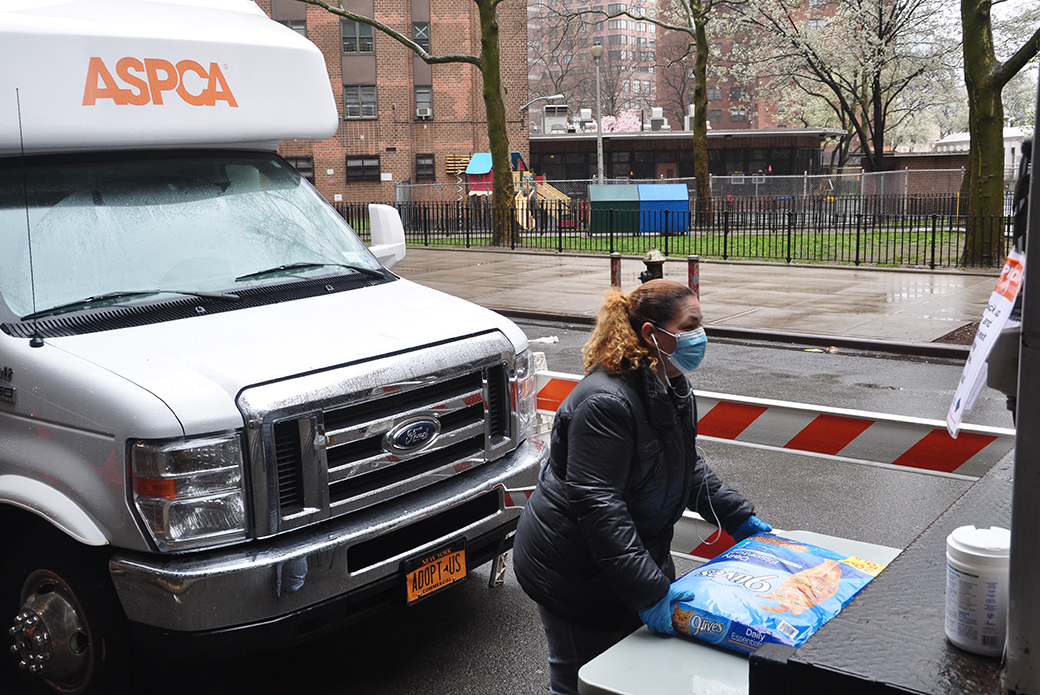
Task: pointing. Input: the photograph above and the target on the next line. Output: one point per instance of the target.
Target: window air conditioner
(424, 112)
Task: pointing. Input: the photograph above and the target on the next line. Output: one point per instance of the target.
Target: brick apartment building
(401, 119)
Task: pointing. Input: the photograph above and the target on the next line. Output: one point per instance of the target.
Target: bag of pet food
(768, 589)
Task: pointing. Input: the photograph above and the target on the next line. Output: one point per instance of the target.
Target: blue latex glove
(750, 527)
(658, 617)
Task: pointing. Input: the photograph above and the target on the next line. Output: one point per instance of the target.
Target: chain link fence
(908, 182)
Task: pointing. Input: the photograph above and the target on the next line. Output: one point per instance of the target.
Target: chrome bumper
(263, 580)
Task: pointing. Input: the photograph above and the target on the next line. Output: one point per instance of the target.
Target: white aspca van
(221, 417)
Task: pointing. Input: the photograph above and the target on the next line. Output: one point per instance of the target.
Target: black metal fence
(914, 231)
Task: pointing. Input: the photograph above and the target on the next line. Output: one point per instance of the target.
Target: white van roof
(116, 74)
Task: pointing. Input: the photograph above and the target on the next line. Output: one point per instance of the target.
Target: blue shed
(664, 208)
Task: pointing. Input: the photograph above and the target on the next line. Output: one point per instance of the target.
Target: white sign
(993, 321)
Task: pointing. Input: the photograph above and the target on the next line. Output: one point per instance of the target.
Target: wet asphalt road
(473, 639)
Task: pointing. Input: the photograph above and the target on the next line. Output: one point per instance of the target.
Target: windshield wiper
(125, 294)
(303, 265)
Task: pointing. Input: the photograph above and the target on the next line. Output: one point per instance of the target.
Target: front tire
(66, 629)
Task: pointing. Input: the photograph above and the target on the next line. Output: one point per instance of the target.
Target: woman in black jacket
(592, 547)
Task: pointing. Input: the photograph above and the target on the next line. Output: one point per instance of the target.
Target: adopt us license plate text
(435, 571)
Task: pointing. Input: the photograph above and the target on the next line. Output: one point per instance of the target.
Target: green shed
(614, 208)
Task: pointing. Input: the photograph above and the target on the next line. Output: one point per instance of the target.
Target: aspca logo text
(143, 82)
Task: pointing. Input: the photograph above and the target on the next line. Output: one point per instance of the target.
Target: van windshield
(186, 221)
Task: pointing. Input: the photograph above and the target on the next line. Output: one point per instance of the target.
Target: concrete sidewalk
(861, 304)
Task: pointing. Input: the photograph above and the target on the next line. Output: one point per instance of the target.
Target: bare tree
(674, 75)
(558, 55)
(690, 18)
(488, 62)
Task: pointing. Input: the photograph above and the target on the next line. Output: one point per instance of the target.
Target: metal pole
(693, 266)
(599, 127)
(615, 270)
(1021, 673)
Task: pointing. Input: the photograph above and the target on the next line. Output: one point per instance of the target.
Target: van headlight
(524, 395)
(190, 492)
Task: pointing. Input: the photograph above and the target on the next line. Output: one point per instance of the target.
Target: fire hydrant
(654, 262)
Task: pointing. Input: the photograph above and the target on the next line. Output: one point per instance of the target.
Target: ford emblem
(412, 435)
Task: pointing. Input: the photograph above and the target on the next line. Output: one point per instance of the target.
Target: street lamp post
(523, 108)
(597, 51)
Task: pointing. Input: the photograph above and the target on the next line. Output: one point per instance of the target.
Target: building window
(421, 34)
(357, 37)
(359, 101)
(297, 25)
(640, 26)
(738, 115)
(736, 93)
(363, 168)
(617, 55)
(303, 165)
(817, 3)
(617, 24)
(617, 39)
(714, 94)
(714, 115)
(616, 7)
(424, 168)
(646, 56)
(424, 102)
(817, 23)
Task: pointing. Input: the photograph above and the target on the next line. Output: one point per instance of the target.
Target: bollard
(654, 262)
(693, 264)
(615, 270)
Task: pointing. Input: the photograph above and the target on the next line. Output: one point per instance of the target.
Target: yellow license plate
(435, 571)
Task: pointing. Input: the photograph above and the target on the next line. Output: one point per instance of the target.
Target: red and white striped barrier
(854, 436)
(517, 497)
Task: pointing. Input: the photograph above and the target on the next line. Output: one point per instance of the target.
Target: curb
(940, 350)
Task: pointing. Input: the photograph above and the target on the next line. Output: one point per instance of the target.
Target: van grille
(360, 469)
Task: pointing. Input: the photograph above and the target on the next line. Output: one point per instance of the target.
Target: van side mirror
(387, 234)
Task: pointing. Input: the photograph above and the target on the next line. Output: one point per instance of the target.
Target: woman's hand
(658, 617)
(750, 527)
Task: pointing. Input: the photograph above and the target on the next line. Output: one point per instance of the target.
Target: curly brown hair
(615, 344)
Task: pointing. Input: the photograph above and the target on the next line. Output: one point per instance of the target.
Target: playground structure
(533, 190)
(529, 191)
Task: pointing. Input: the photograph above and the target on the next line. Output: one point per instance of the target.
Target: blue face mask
(689, 349)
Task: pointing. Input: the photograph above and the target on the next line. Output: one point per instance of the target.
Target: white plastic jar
(976, 588)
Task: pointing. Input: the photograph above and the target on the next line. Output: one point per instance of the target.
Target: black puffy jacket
(592, 545)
